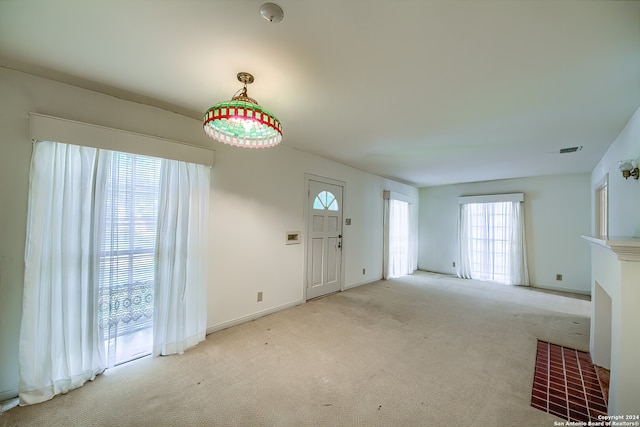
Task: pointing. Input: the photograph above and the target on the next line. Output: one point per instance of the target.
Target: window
(115, 259)
(400, 249)
(399, 252)
(325, 200)
(127, 256)
(492, 244)
(489, 224)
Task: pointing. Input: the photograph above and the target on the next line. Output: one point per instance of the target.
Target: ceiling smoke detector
(271, 12)
(570, 150)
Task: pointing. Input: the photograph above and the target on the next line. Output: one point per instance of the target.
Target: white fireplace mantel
(625, 248)
(615, 316)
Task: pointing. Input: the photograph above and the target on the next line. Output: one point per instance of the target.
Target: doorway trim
(305, 265)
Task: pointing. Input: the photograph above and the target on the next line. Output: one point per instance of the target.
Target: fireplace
(615, 318)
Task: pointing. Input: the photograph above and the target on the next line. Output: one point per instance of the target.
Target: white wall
(557, 212)
(257, 195)
(261, 206)
(618, 335)
(624, 195)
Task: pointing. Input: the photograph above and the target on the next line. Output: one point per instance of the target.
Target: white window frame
(601, 199)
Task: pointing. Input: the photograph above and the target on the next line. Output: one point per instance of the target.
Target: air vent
(570, 150)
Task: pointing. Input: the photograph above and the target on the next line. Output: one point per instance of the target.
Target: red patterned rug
(566, 384)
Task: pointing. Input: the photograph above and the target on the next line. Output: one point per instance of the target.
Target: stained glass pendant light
(242, 122)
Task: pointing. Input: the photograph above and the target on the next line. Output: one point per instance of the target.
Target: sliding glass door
(127, 256)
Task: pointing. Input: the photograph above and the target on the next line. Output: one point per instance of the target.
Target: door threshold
(325, 295)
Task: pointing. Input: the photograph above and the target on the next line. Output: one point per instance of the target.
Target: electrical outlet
(559, 277)
(453, 264)
(363, 270)
(259, 296)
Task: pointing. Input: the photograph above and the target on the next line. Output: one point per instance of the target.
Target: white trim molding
(224, 325)
(48, 128)
(625, 248)
(492, 198)
(393, 195)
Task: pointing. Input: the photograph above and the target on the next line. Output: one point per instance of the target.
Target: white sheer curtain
(60, 343)
(465, 244)
(492, 242)
(399, 263)
(400, 241)
(181, 272)
(519, 271)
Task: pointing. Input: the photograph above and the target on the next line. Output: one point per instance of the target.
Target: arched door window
(325, 200)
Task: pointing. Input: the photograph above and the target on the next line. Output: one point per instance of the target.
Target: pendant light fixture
(242, 122)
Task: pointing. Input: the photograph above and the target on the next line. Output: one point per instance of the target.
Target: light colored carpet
(422, 350)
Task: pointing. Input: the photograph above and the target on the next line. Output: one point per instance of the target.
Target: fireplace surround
(615, 318)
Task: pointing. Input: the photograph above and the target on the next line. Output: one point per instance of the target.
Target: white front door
(324, 243)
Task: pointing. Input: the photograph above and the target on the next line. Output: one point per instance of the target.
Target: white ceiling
(427, 92)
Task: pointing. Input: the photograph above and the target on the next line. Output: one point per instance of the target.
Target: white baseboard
(253, 316)
(558, 289)
(366, 282)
